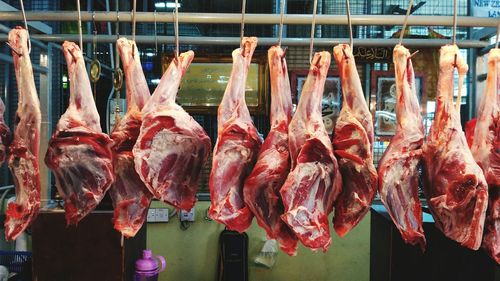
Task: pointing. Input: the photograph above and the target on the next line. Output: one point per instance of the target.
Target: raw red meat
(486, 152)
(131, 197)
(5, 136)
(237, 146)
(79, 154)
(353, 145)
(261, 189)
(398, 167)
(172, 147)
(456, 189)
(314, 182)
(25, 146)
(470, 126)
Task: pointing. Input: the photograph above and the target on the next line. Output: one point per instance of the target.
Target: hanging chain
(280, 30)
(313, 27)
(405, 23)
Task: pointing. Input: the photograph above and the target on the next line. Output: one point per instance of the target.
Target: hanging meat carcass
(486, 151)
(172, 147)
(131, 197)
(5, 135)
(79, 154)
(456, 190)
(353, 146)
(261, 189)
(25, 146)
(314, 183)
(237, 146)
(398, 168)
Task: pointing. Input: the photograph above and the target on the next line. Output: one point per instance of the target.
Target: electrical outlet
(188, 215)
(151, 215)
(162, 215)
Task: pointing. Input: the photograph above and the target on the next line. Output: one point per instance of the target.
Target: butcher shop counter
(391, 259)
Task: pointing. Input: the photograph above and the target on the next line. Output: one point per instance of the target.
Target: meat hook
(25, 26)
(79, 24)
(313, 25)
(455, 12)
(405, 23)
(280, 29)
(176, 29)
(243, 7)
(349, 23)
(133, 27)
(15, 50)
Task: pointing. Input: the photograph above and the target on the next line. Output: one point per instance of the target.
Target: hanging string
(176, 29)
(313, 26)
(455, 12)
(348, 9)
(79, 24)
(117, 31)
(133, 20)
(280, 29)
(498, 33)
(26, 26)
(405, 23)
(243, 6)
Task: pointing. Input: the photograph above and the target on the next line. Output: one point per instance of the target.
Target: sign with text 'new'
(486, 8)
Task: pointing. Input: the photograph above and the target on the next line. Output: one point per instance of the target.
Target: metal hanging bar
(313, 26)
(156, 36)
(263, 41)
(176, 30)
(134, 21)
(232, 18)
(498, 33)
(79, 24)
(403, 29)
(243, 7)
(280, 29)
(26, 26)
(349, 22)
(455, 12)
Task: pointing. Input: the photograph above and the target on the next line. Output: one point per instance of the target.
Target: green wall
(192, 254)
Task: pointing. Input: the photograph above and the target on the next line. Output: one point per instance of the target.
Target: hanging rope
(348, 9)
(79, 24)
(313, 26)
(243, 6)
(498, 33)
(405, 23)
(280, 29)
(455, 12)
(26, 26)
(176, 29)
(133, 20)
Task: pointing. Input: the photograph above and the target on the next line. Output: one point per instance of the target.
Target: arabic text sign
(372, 54)
(486, 8)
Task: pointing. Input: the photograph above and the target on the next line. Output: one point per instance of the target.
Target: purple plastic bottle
(147, 268)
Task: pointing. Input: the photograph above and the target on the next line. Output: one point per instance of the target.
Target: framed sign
(383, 87)
(202, 87)
(332, 95)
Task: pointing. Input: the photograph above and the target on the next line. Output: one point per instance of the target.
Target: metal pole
(264, 41)
(226, 18)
